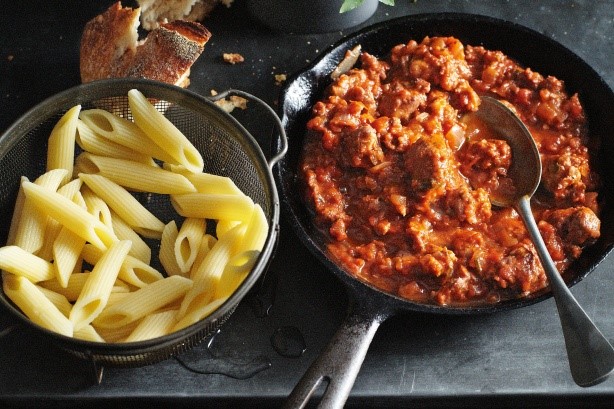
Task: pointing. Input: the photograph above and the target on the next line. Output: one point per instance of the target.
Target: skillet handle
(283, 147)
(339, 363)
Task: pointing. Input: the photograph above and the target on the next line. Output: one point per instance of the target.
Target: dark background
(510, 359)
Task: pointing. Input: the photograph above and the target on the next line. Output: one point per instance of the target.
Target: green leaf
(352, 4)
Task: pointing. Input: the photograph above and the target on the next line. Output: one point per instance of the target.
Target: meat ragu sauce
(400, 180)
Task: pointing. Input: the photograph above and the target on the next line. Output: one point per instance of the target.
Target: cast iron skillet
(341, 360)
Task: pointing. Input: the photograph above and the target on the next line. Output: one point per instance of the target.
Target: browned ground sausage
(401, 181)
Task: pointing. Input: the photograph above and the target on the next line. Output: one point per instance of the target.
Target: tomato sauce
(399, 179)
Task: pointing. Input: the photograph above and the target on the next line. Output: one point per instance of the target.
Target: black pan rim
(312, 78)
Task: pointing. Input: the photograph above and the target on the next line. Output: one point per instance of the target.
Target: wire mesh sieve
(227, 149)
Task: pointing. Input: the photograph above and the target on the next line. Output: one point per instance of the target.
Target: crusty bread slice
(169, 51)
(108, 43)
(110, 48)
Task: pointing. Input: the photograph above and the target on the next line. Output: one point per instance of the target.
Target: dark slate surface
(510, 359)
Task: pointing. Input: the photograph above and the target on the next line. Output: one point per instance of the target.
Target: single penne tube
(188, 242)
(235, 271)
(115, 297)
(164, 133)
(67, 249)
(206, 182)
(33, 303)
(206, 244)
(210, 183)
(166, 254)
(134, 175)
(70, 215)
(88, 333)
(96, 144)
(59, 300)
(53, 228)
(213, 206)
(256, 232)
(61, 144)
(132, 271)
(19, 203)
(17, 261)
(97, 207)
(144, 301)
(96, 290)
(125, 205)
(207, 274)
(222, 226)
(153, 326)
(198, 313)
(30, 232)
(140, 249)
(116, 334)
(122, 132)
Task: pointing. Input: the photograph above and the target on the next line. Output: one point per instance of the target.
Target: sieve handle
(283, 146)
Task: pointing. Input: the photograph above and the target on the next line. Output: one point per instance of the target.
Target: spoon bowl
(590, 354)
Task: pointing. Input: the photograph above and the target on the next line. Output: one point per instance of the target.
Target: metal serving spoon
(591, 356)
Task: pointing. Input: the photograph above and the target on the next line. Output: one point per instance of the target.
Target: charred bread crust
(169, 51)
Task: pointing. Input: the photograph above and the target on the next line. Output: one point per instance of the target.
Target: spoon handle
(590, 354)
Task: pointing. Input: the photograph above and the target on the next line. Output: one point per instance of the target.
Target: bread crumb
(233, 58)
(234, 101)
(280, 79)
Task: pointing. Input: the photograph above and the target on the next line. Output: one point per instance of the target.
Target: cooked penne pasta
(88, 333)
(163, 133)
(223, 226)
(95, 292)
(167, 249)
(153, 326)
(188, 242)
(67, 249)
(116, 334)
(17, 210)
(139, 248)
(96, 144)
(60, 301)
(123, 132)
(70, 215)
(19, 262)
(33, 303)
(76, 283)
(132, 271)
(125, 205)
(134, 175)
(143, 301)
(61, 226)
(61, 144)
(97, 207)
(198, 313)
(69, 190)
(213, 206)
(235, 271)
(257, 231)
(30, 232)
(207, 274)
(206, 245)
(206, 182)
